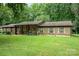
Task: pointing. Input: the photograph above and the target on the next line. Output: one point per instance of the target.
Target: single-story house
(56, 28)
(40, 27)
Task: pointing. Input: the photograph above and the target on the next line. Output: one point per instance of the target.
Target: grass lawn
(23, 45)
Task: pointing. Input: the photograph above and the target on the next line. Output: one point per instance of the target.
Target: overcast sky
(29, 4)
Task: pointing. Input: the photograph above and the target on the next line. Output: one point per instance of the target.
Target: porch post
(15, 30)
(6, 29)
(22, 29)
(11, 30)
(25, 29)
(28, 28)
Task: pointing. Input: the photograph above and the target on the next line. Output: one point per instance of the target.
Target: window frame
(40, 30)
(50, 30)
(61, 29)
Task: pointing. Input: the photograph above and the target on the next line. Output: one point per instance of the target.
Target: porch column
(21, 29)
(16, 30)
(6, 29)
(2, 30)
(11, 30)
(28, 28)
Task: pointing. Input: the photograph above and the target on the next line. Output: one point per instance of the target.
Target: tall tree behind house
(6, 14)
(20, 11)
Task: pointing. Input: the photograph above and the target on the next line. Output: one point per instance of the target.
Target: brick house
(40, 28)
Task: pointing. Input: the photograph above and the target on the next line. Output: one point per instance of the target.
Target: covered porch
(26, 29)
(29, 27)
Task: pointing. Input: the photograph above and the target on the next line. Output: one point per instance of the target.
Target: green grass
(23, 45)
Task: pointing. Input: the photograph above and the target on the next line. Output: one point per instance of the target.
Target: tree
(59, 11)
(6, 15)
(20, 11)
(37, 10)
(43, 18)
(75, 10)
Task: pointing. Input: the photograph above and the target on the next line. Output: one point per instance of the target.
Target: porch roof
(57, 23)
(41, 23)
(10, 25)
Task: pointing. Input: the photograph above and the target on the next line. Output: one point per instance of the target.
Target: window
(50, 30)
(61, 30)
(41, 30)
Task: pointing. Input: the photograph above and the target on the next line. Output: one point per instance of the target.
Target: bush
(6, 32)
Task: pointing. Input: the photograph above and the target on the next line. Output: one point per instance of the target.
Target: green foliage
(36, 10)
(43, 18)
(59, 11)
(6, 15)
(75, 10)
(20, 11)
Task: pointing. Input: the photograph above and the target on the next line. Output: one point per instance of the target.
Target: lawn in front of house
(42, 45)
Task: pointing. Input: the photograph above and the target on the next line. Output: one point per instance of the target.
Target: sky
(29, 4)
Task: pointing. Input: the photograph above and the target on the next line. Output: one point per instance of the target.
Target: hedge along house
(40, 27)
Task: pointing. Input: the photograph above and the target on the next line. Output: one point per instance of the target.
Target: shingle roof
(41, 23)
(57, 23)
(30, 23)
(10, 25)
